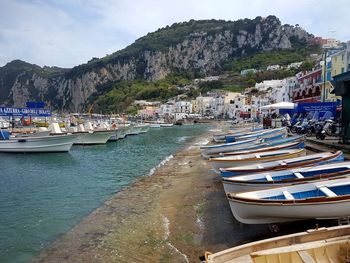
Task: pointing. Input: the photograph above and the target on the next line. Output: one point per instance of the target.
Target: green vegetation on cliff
(118, 97)
(280, 57)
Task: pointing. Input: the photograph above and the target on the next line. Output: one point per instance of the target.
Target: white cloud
(69, 32)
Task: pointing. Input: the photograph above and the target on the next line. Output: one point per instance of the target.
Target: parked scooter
(330, 128)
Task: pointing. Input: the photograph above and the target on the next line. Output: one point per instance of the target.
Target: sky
(66, 33)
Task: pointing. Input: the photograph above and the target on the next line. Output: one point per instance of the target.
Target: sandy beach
(173, 215)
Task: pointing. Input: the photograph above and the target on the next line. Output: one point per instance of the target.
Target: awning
(280, 105)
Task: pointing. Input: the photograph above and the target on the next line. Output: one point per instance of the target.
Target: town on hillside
(314, 85)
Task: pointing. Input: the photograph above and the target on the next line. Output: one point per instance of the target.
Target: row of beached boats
(268, 178)
(55, 139)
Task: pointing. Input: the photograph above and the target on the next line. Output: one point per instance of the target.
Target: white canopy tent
(280, 105)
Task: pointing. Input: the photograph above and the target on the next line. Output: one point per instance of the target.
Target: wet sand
(172, 216)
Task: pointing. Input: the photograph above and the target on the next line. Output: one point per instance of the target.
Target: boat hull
(260, 181)
(224, 162)
(134, 130)
(91, 138)
(256, 213)
(309, 160)
(299, 241)
(113, 137)
(52, 143)
(208, 151)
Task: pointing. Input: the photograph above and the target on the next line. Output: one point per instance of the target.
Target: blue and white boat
(326, 199)
(308, 160)
(258, 181)
(251, 158)
(291, 145)
(261, 134)
(213, 150)
(221, 137)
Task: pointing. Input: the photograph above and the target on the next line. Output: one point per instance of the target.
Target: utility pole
(324, 76)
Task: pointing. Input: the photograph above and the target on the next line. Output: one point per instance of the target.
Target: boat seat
(327, 191)
(282, 163)
(298, 175)
(306, 257)
(268, 178)
(288, 195)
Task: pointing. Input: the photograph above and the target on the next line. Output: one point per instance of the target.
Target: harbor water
(44, 195)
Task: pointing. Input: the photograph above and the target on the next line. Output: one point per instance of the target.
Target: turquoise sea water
(44, 195)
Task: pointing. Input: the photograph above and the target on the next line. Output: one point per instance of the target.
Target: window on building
(236, 106)
(239, 99)
(342, 70)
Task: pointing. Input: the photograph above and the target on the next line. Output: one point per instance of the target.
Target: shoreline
(116, 231)
(172, 215)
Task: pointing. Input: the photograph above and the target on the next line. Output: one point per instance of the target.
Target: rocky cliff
(198, 47)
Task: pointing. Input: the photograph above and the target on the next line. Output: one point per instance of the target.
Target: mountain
(195, 48)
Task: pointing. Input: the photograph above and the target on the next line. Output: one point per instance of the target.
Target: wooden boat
(212, 150)
(258, 181)
(291, 145)
(261, 157)
(221, 137)
(328, 245)
(269, 142)
(326, 199)
(50, 143)
(260, 134)
(308, 160)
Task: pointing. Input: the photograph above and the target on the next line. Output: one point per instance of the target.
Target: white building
(183, 107)
(167, 109)
(237, 105)
(248, 71)
(204, 105)
(268, 85)
(259, 101)
(294, 65)
(273, 67)
(217, 106)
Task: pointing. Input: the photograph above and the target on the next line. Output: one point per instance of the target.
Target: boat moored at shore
(50, 143)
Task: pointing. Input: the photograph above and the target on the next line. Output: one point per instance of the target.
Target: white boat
(144, 128)
(327, 245)
(291, 145)
(166, 124)
(245, 159)
(133, 130)
(50, 143)
(326, 199)
(121, 132)
(308, 160)
(267, 133)
(114, 136)
(269, 179)
(221, 137)
(154, 125)
(252, 143)
(210, 150)
(92, 137)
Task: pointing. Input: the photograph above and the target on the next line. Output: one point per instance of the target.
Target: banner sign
(7, 111)
(318, 106)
